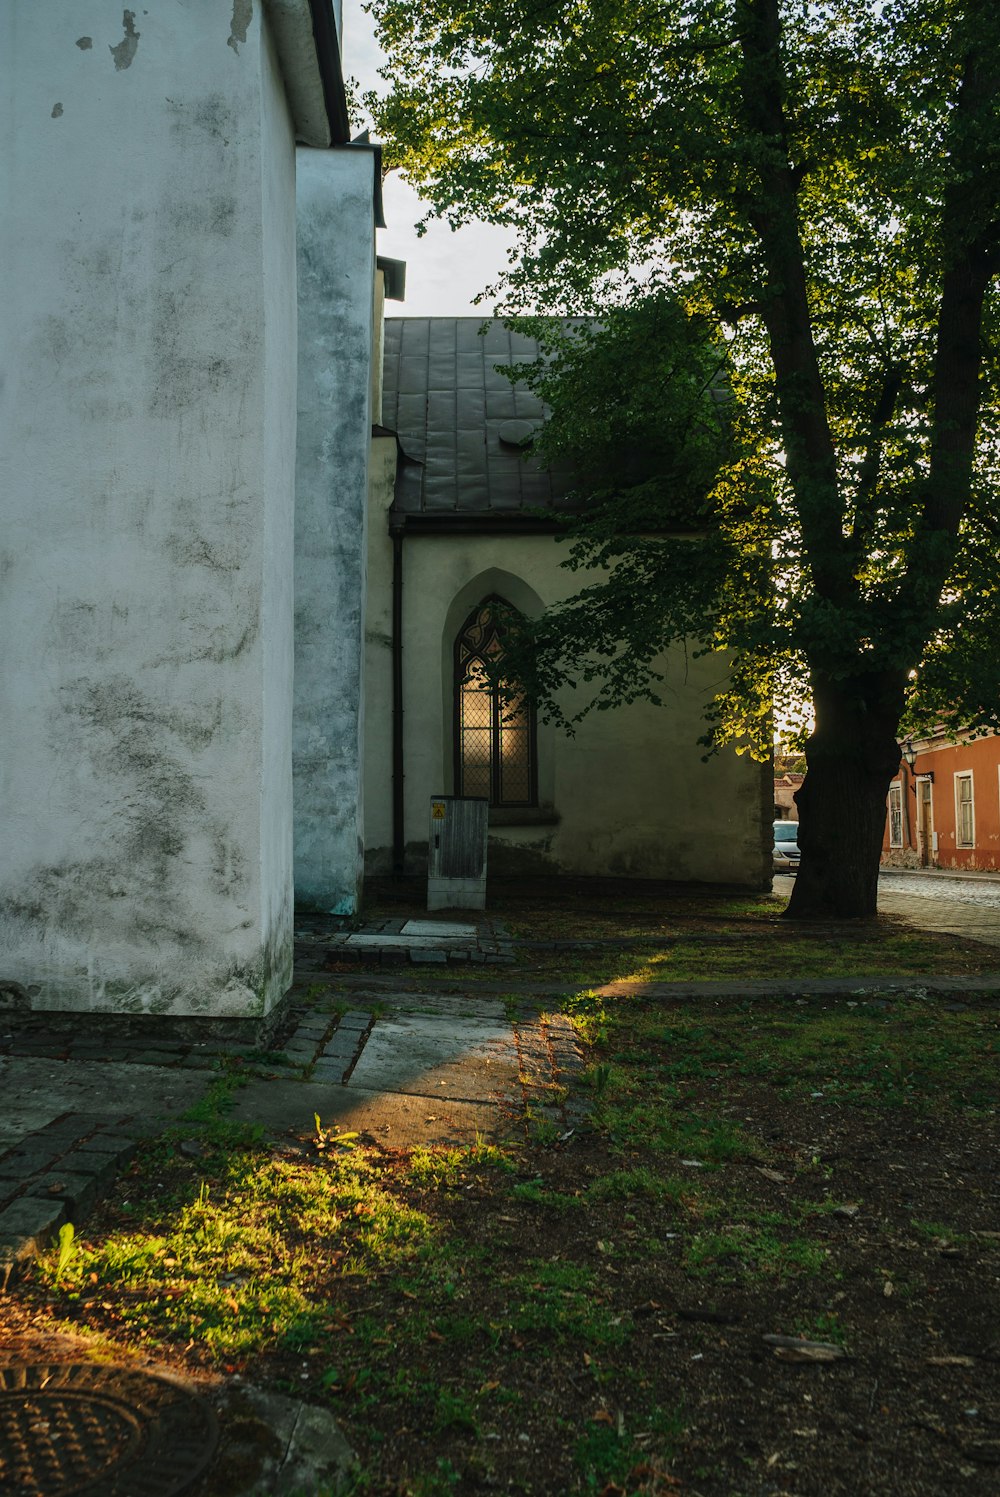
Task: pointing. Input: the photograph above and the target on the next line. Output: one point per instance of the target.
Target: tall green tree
(673, 507)
(819, 182)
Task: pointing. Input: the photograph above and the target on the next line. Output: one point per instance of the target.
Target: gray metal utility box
(456, 845)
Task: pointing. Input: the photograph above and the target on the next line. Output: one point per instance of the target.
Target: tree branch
(810, 455)
(864, 504)
(969, 225)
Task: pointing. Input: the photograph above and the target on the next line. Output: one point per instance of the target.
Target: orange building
(944, 805)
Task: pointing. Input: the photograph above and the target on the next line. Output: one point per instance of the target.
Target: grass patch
(900, 1050)
(235, 1264)
(752, 1250)
(641, 1182)
(584, 1311)
(608, 1457)
(534, 1193)
(556, 1302)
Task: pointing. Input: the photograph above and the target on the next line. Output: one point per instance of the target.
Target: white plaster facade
(187, 475)
(147, 443)
(336, 256)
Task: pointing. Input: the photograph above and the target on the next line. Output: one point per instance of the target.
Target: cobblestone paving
(56, 1174)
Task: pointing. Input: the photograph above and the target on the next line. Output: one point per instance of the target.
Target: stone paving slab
(447, 1005)
(442, 928)
(26, 1225)
(355, 1019)
(421, 1053)
(285, 1110)
(37, 1090)
(291, 1447)
(78, 1193)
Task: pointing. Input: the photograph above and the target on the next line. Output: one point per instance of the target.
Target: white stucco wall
(336, 259)
(377, 779)
(280, 374)
(629, 794)
(147, 447)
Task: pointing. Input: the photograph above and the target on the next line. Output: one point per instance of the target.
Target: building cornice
(305, 36)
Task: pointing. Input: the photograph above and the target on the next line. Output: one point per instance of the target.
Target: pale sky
(444, 270)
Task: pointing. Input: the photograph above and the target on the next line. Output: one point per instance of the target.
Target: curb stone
(55, 1175)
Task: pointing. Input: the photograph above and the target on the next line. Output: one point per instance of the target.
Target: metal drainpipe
(398, 844)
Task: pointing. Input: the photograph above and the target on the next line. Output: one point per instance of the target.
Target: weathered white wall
(336, 269)
(628, 796)
(280, 374)
(377, 778)
(147, 449)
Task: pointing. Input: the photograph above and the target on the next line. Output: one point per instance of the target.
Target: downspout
(398, 831)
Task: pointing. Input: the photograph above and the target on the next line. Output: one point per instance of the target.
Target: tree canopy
(818, 187)
(671, 507)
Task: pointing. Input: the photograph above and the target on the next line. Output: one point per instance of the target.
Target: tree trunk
(850, 760)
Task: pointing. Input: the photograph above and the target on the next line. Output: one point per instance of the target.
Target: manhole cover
(68, 1428)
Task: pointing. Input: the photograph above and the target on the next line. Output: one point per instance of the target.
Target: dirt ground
(627, 1373)
(596, 1312)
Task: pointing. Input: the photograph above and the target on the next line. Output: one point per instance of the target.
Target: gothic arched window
(494, 740)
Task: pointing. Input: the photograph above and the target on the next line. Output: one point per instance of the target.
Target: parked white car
(785, 858)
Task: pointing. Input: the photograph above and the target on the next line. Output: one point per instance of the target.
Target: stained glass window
(494, 738)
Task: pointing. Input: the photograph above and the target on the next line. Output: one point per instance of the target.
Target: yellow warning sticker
(437, 810)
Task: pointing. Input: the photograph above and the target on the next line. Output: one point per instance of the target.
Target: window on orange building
(965, 821)
(895, 815)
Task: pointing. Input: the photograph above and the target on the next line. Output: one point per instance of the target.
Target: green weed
(65, 1251)
(559, 1301)
(438, 1167)
(752, 1250)
(824, 1327)
(535, 1194)
(235, 1266)
(607, 1455)
(624, 1185)
(454, 1411)
(655, 1124)
(940, 1234)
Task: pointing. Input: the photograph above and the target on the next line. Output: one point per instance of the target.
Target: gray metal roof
(451, 410)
